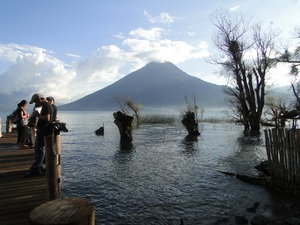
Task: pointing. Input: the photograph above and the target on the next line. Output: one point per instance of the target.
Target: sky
(71, 48)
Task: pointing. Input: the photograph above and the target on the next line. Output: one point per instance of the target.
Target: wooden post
(52, 146)
(0, 127)
(63, 211)
(8, 125)
(56, 142)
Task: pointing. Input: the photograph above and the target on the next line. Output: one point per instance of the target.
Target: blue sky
(71, 48)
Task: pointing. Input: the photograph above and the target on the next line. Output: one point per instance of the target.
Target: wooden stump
(66, 211)
(190, 123)
(124, 123)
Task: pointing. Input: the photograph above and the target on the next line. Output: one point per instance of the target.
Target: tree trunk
(124, 123)
(191, 124)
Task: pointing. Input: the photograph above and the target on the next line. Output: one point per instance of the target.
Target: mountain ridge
(154, 85)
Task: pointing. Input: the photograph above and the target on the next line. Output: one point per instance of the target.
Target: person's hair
(22, 103)
(50, 99)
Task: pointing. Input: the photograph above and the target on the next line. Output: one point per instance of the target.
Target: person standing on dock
(44, 128)
(23, 130)
(51, 100)
(33, 122)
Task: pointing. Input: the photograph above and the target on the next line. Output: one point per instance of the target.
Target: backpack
(15, 116)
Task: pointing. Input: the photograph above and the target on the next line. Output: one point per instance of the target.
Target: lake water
(164, 177)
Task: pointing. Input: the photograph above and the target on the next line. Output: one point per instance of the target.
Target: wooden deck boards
(18, 194)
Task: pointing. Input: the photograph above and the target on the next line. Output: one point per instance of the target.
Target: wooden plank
(276, 167)
(19, 195)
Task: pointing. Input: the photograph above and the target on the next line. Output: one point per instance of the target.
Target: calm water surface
(164, 177)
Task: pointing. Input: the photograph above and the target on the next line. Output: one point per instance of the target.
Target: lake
(164, 177)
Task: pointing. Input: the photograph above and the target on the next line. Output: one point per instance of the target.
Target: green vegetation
(157, 119)
(216, 120)
(172, 119)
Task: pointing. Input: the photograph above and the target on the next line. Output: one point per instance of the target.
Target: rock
(251, 180)
(241, 220)
(292, 221)
(259, 220)
(252, 210)
(256, 204)
(100, 131)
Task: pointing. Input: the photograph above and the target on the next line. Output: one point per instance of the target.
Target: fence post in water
(52, 146)
(8, 125)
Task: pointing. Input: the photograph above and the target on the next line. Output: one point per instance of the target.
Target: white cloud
(165, 50)
(11, 52)
(235, 8)
(119, 36)
(34, 70)
(192, 34)
(163, 18)
(73, 55)
(150, 34)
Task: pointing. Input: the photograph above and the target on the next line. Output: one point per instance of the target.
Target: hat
(35, 97)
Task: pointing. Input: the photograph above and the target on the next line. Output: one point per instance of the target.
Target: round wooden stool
(67, 211)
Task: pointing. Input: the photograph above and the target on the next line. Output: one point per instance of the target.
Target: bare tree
(127, 104)
(293, 58)
(190, 117)
(234, 111)
(122, 105)
(246, 57)
(275, 106)
(136, 108)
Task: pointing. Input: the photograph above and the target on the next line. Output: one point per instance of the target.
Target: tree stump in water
(190, 123)
(124, 123)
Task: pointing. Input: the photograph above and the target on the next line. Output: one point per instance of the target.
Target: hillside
(155, 85)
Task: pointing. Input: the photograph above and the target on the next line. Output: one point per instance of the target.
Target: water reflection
(126, 146)
(251, 138)
(189, 143)
(247, 153)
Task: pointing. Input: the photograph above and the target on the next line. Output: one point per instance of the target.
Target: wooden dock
(18, 194)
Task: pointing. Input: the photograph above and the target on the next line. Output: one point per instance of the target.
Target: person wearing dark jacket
(44, 128)
(52, 102)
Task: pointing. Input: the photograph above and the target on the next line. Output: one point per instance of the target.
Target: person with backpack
(32, 122)
(15, 119)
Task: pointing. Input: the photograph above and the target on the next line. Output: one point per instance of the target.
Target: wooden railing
(283, 150)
